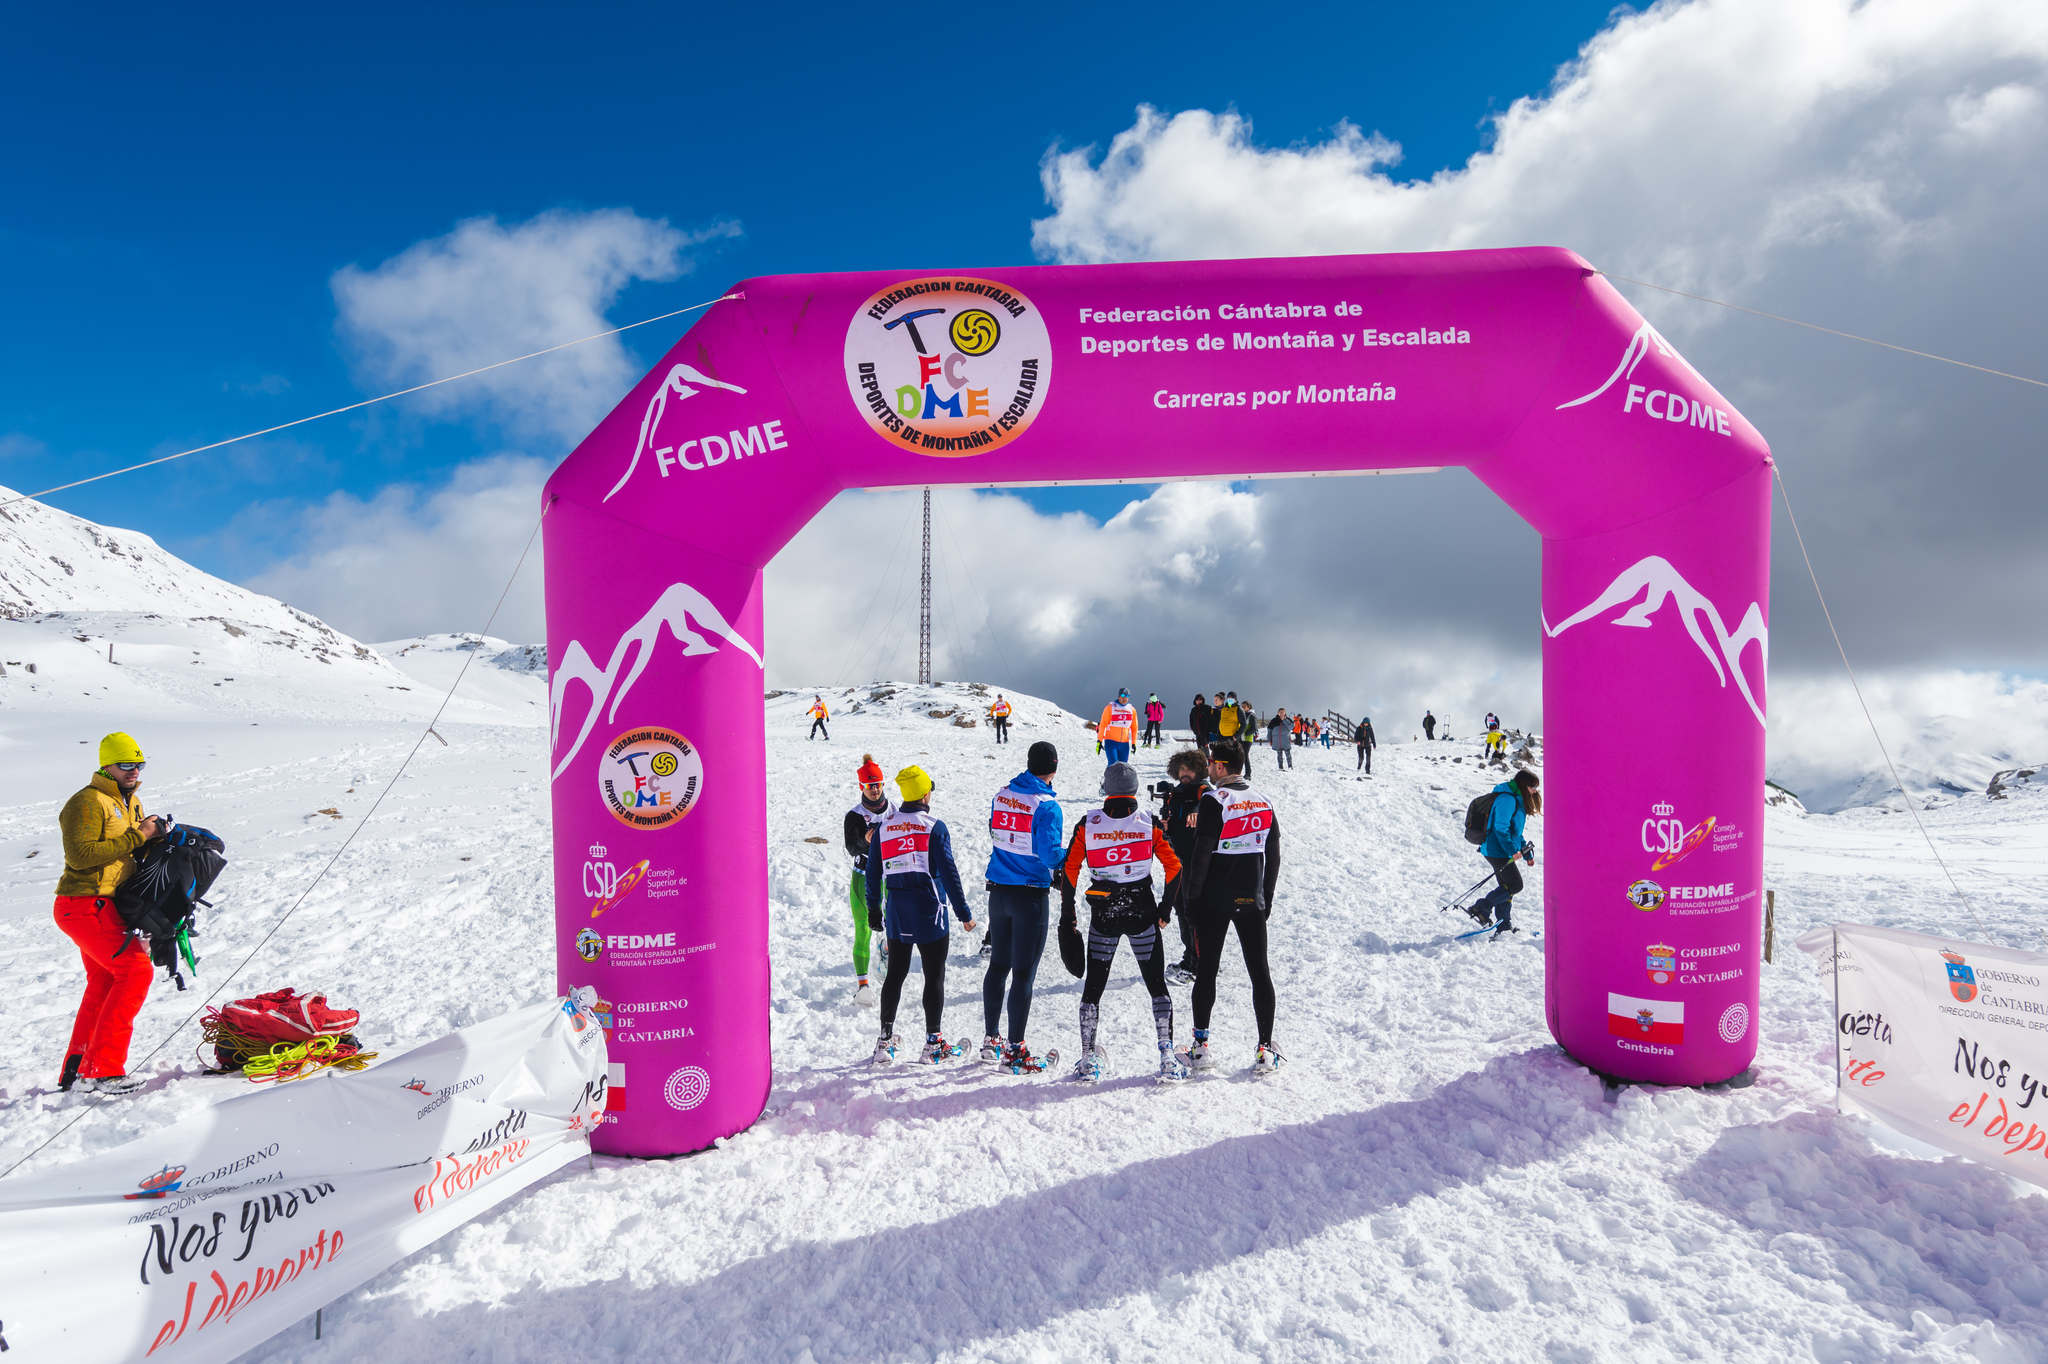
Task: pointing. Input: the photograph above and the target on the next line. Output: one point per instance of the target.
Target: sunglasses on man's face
(128, 767)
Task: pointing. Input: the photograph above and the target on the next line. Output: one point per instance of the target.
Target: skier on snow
(1512, 801)
(1118, 843)
(1229, 882)
(1024, 829)
(913, 853)
(872, 808)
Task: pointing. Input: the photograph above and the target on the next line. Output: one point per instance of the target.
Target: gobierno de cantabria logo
(948, 365)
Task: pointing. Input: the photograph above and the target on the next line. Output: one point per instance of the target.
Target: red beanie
(870, 770)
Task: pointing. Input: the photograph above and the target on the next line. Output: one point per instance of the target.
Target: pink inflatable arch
(1650, 491)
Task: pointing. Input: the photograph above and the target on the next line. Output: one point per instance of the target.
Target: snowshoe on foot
(1172, 1067)
(885, 1053)
(1268, 1059)
(862, 994)
(1088, 1069)
(988, 949)
(113, 1086)
(1197, 1055)
(1019, 1059)
(1180, 974)
(991, 1051)
(936, 1049)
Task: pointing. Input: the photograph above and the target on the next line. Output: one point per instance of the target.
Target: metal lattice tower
(924, 600)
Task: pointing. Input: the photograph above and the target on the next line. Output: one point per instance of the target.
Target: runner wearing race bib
(1118, 844)
(1230, 882)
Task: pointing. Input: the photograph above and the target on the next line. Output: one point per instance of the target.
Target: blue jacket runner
(1504, 823)
(1006, 868)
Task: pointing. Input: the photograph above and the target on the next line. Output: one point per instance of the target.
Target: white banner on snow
(205, 1238)
(1944, 1040)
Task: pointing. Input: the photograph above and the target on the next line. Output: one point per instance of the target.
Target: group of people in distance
(1215, 845)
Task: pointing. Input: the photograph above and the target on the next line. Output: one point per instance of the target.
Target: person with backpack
(819, 714)
(1492, 720)
(1280, 734)
(1362, 736)
(1155, 716)
(1228, 717)
(1118, 728)
(1494, 821)
(1428, 725)
(1118, 843)
(1025, 833)
(999, 717)
(1229, 884)
(1189, 771)
(871, 809)
(102, 827)
(912, 854)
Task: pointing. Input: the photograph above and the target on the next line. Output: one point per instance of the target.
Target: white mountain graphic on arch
(1654, 580)
(679, 608)
(681, 381)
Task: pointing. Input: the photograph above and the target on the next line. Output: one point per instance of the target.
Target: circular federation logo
(687, 1088)
(589, 944)
(948, 365)
(1646, 895)
(1734, 1022)
(650, 777)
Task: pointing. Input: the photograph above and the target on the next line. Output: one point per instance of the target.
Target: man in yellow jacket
(819, 715)
(103, 825)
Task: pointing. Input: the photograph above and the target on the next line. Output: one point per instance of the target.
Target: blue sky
(183, 186)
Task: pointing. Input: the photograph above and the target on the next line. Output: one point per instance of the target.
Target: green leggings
(859, 898)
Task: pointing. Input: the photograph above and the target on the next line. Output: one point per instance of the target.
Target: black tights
(1102, 944)
(1211, 924)
(934, 956)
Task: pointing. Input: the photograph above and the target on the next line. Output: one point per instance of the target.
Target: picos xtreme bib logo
(948, 365)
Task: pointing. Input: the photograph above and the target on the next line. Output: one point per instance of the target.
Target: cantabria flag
(1646, 1020)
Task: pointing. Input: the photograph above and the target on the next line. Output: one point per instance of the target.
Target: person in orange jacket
(999, 717)
(102, 826)
(1118, 728)
(819, 715)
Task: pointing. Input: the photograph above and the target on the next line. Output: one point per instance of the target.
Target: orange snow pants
(114, 987)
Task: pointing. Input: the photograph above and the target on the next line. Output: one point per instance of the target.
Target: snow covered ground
(1430, 1178)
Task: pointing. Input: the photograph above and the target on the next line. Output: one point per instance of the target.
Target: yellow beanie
(914, 783)
(119, 748)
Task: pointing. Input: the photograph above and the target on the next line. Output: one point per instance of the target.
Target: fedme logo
(627, 942)
(1701, 892)
(714, 450)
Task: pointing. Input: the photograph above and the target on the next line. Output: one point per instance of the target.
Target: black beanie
(1043, 759)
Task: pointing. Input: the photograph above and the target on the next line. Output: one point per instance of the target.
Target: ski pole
(1467, 891)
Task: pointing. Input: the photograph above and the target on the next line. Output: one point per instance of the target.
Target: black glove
(875, 922)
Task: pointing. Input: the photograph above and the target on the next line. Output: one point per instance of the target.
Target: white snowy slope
(1430, 1178)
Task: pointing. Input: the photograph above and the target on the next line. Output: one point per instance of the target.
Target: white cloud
(1183, 589)
(1867, 165)
(486, 292)
(416, 560)
(1946, 729)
